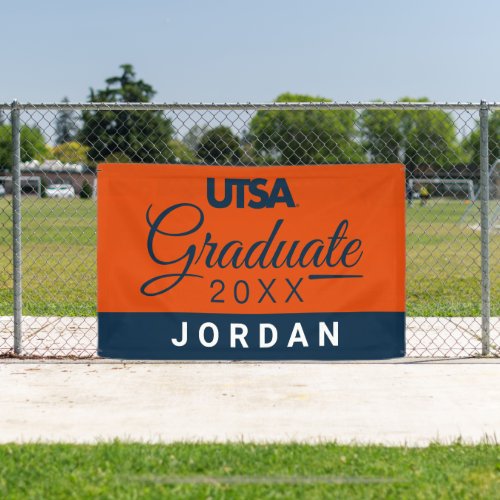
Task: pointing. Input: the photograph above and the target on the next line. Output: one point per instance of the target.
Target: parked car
(60, 191)
(2, 191)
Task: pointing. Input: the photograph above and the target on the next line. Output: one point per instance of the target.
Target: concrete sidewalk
(413, 402)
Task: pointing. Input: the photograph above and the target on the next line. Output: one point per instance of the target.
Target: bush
(86, 191)
(43, 187)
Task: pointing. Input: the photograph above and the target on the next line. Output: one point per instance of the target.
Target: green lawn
(117, 470)
(443, 259)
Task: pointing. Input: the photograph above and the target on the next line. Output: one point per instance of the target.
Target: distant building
(53, 166)
(57, 172)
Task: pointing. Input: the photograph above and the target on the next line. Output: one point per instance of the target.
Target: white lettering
(333, 336)
(234, 335)
(183, 340)
(215, 332)
(262, 335)
(297, 335)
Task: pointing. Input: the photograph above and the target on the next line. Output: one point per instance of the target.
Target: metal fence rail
(48, 242)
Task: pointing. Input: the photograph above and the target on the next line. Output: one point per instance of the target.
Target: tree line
(415, 138)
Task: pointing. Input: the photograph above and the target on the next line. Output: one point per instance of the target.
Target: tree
(302, 137)
(431, 139)
(413, 137)
(182, 153)
(117, 158)
(66, 127)
(142, 136)
(471, 144)
(219, 146)
(382, 135)
(33, 145)
(71, 152)
(193, 136)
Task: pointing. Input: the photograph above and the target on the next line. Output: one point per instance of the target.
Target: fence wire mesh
(61, 145)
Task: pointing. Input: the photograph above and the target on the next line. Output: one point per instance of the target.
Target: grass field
(118, 470)
(59, 241)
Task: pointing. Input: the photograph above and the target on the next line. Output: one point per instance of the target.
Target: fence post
(16, 224)
(485, 229)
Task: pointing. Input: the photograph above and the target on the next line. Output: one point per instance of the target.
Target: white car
(60, 191)
(2, 191)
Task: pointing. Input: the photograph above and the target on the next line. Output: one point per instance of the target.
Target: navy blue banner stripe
(361, 335)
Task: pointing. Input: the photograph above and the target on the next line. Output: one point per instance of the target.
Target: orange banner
(358, 210)
(251, 240)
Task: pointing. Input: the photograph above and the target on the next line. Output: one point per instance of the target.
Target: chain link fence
(48, 188)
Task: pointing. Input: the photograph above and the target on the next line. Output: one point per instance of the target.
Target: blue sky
(228, 51)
